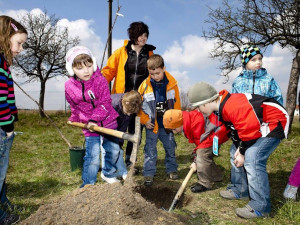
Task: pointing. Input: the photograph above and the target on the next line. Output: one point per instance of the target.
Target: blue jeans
(251, 180)
(112, 158)
(5, 146)
(91, 159)
(150, 151)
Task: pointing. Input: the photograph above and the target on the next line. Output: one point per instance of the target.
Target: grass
(39, 172)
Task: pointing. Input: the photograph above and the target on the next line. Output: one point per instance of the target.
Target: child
(12, 37)
(160, 93)
(291, 189)
(128, 66)
(199, 130)
(127, 106)
(89, 98)
(254, 79)
(257, 125)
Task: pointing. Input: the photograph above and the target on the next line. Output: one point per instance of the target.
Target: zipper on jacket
(92, 97)
(254, 74)
(82, 90)
(136, 65)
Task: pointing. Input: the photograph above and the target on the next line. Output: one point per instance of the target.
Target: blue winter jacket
(257, 82)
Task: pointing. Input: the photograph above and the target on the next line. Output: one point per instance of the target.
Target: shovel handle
(182, 187)
(102, 130)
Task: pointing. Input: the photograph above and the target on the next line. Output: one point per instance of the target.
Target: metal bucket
(76, 157)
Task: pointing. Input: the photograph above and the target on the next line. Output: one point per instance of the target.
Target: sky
(175, 29)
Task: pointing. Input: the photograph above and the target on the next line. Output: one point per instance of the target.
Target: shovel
(134, 138)
(182, 187)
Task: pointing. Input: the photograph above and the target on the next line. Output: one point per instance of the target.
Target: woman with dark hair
(128, 66)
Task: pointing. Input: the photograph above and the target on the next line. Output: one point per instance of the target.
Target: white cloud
(192, 52)
(183, 80)
(54, 97)
(88, 38)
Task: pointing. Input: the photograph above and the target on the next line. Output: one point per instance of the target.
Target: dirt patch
(103, 204)
(162, 196)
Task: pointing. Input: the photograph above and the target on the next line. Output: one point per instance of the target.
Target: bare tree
(257, 22)
(45, 51)
(184, 100)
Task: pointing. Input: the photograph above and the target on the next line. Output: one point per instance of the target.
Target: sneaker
(9, 207)
(248, 213)
(124, 176)
(173, 176)
(290, 192)
(108, 179)
(229, 194)
(196, 188)
(148, 181)
(10, 219)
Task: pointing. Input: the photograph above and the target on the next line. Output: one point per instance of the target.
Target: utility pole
(109, 46)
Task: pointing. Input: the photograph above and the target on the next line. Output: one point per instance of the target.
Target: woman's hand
(239, 159)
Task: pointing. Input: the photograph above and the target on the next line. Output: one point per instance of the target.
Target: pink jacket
(90, 102)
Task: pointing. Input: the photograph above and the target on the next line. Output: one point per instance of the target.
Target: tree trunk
(42, 99)
(291, 96)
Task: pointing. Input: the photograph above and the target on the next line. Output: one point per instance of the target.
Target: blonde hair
(155, 61)
(8, 27)
(132, 101)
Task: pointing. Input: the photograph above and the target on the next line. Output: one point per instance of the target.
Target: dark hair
(137, 29)
(8, 27)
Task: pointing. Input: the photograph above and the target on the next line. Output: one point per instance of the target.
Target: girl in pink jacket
(88, 94)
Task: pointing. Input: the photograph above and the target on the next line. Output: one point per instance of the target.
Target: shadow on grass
(36, 189)
(278, 180)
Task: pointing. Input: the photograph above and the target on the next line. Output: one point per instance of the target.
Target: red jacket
(200, 130)
(251, 116)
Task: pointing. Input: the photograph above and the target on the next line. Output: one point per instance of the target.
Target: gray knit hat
(201, 93)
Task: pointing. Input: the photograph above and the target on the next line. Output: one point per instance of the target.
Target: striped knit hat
(248, 52)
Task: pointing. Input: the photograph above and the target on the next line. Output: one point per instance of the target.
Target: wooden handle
(182, 187)
(103, 130)
(184, 183)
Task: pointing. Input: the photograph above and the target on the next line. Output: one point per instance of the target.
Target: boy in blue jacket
(254, 79)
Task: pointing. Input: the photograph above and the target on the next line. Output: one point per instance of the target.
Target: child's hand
(8, 134)
(193, 166)
(149, 125)
(91, 124)
(239, 159)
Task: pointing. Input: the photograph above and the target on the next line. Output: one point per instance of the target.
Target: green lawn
(39, 172)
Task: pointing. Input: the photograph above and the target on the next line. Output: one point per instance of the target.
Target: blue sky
(175, 29)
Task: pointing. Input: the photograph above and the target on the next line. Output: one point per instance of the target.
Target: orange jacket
(115, 69)
(148, 110)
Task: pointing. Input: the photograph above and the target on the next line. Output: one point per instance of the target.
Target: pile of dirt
(103, 204)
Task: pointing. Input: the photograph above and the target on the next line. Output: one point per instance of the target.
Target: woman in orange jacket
(127, 66)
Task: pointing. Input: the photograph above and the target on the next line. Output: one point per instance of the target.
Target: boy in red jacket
(199, 130)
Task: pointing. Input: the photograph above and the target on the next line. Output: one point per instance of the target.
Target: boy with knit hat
(254, 79)
(257, 124)
(200, 130)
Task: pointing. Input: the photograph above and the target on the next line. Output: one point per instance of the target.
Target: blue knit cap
(249, 52)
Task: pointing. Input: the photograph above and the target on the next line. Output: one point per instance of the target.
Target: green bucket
(76, 157)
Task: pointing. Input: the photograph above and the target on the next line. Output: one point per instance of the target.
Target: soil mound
(102, 204)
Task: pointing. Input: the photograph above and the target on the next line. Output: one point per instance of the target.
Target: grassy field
(39, 172)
